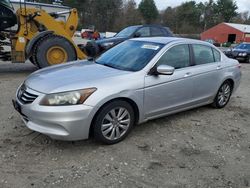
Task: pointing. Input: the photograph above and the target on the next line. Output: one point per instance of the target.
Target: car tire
(223, 95)
(113, 122)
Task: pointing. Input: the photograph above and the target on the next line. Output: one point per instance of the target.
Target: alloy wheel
(224, 94)
(115, 123)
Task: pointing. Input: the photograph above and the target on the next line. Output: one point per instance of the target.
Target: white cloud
(244, 5)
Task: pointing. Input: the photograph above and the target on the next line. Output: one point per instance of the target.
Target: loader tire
(53, 50)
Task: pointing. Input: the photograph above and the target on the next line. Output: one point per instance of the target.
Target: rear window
(203, 54)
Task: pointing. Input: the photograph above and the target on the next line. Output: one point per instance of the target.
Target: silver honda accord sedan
(136, 81)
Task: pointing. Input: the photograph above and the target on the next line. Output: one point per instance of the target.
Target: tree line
(188, 18)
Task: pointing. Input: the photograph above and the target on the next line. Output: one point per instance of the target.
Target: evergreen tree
(148, 10)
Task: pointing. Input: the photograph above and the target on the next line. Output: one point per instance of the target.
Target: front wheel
(113, 122)
(223, 95)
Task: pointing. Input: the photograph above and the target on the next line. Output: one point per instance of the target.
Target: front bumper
(60, 122)
(239, 58)
(242, 59)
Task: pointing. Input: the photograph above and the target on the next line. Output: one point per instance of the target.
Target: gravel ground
(203, 147)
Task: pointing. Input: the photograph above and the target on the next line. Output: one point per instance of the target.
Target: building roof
(241, 27)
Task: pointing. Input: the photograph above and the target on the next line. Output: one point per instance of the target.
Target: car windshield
(243, 46)
(127, 32)
(130, 55)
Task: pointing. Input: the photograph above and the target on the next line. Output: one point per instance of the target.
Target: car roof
(166, 40)
(148, 25)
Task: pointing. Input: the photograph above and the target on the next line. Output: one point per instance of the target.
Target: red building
(228, 32)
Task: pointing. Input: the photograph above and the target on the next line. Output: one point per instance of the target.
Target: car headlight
(67, 98)
(244, 54)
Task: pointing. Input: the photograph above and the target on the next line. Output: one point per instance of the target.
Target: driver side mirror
(162, 70)
(137, 35)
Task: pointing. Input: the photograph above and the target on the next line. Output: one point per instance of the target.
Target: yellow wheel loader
(40, 37)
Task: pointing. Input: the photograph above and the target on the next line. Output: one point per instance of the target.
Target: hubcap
(56, 55)
(116, 123)
(224, 94)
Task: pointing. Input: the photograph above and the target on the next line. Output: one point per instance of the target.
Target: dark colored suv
(94, 48)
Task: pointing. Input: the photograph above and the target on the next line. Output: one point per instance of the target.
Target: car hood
(111, 39)
(240, 50)
(71, 76)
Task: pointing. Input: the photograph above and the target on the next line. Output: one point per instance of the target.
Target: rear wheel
(223, 95)
(53, 50)
(113, 122)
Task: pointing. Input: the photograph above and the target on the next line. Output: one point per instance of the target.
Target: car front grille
(235, 54)
(25, 95)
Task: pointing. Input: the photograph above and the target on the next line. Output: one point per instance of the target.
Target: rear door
(206, 72)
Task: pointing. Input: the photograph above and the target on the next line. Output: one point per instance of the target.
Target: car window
(217, 56)
(203, 54)
(156, 31)
(127, 32)
(177, 57)
(144, 32)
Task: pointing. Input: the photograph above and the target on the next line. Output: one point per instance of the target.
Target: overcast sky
(244, 5)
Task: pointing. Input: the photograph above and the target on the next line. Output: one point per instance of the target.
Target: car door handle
(219, 67)
(187, 74)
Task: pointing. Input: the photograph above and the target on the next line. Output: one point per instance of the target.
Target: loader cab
(7, 15)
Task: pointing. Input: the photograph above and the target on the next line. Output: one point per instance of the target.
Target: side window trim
(213, 54)
(191, 54)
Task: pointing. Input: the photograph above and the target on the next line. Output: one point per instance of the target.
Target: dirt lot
(199, 148)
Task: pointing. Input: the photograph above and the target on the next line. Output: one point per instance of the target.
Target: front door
(166, 93)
